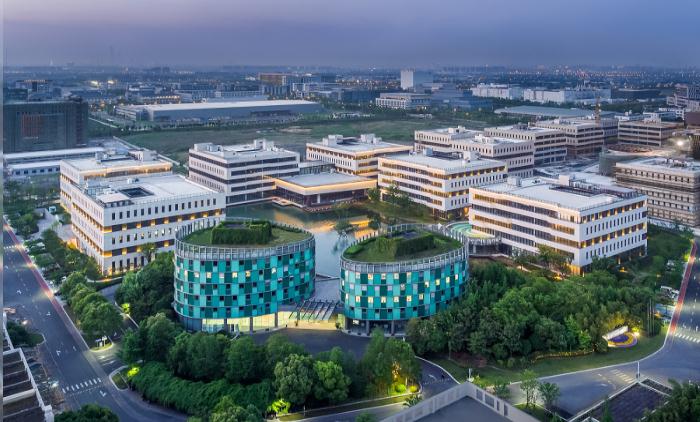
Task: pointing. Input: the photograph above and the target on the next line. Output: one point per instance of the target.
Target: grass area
(412, 244)
(668, 250)
(119, 379)
(536, 412)
(553, 366)
(176, 143)
(280, 236)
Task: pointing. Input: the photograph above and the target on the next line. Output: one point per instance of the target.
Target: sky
(352, 33)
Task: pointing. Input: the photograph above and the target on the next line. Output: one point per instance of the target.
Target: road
(82, 375)
(678, 359)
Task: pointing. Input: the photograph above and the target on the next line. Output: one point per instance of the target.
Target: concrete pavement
(81, 374)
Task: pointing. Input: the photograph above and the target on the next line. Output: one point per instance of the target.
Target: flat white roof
(242, 151)
(34, 165)
(223, 104)
(156, 187)
(321, 179)
(658, 164)
(361, 146)
(523, 129)
(9, 158)
(446, 164)
(86, 164)
(547, 191)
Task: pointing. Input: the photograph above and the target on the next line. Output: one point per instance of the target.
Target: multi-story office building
(244, 173)
(412, 79)
(241, 287)
(672, 186)
(44, 125)
(503, 91)
(566, 95)
(351, 155)
(550, 144)
(114, 219)
(112, 165)
(578, 219)
(518, 154)
(22, 165)
(439, 180)
(583, 137)
(403, 100)
(644, 132)
(686, 96)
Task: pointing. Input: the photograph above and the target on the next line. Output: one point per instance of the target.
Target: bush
(399, 388)
(415, 245)
(254, 232)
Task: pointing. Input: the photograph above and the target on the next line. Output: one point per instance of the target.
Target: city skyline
(361, 34)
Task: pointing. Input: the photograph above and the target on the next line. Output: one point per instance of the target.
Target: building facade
(44, 125)
(550, 144)
(583, 138)
(113, 220)
(240, 289)
(412, 79)
(403, 100)
(22, 165)
(357, 156)
(503, 91)
(388, 294)
(671, 186)
(439, 180)
(322, 190)
(566, 95)
(244, 173)
(577, 219)
(648, 133)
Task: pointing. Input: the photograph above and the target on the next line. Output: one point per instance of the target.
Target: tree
(278, 348)
(204, 356)
(294, 378)
(149, 290)
(387, 360)
(131, 350)
(549, 392)
(226, 410)
(244, 361)
(100, 319)
(72, 281)
(413, 400)
(683, 405)
(330, 383)
(374, 194)
(529, 385)
(501, 390)
(88, 413)
(158, 336)
(148, 250)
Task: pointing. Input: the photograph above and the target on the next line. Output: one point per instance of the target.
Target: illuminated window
(370, 300)
(396, 299)
(408, 298)
(208, 275)
(447, 280)
(420, 296)
(383, 299)
(427, 284)
(437, 282)
(247, 274)
(357, 299)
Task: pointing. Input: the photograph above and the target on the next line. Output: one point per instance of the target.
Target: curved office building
(407, 271)
(234, 276)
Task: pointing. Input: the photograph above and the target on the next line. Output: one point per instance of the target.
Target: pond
(329, 243)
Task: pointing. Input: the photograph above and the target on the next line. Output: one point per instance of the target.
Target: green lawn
(546, 367)
(280, 236)
(664, 245)
(176, 143)
(385, 249)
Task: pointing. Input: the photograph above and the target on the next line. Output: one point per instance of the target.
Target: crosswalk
(623, 376)
(687, 337)
(74, 388)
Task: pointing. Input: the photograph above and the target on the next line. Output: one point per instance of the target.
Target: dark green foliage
(20, 336)
(245, 361)
(150, 290)
(158, 384)
(228, 411)
(294, 378)
(683, 405)
(386, 360)
(417, 244)
(256, 232)
(330, 383)
(87, 413)
(96, 316)
(69, 260)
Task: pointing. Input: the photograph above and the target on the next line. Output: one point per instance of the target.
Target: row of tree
(180, 364)
(150, 290)
(96, 316)
(511, 316)
(68, 259)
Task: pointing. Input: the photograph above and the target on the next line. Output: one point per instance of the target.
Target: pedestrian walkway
(82, 386)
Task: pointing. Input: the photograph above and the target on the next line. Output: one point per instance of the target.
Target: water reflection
(329, 243)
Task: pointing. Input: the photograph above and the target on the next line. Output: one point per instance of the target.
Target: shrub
(417, 244)
(254, 232)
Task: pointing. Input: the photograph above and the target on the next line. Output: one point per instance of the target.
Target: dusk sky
(353, 33)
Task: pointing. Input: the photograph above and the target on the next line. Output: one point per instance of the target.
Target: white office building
(579, 95)
(114, 219)
(244, 173)
(351, 155)
(23, 165)
(403, 100)
(442, 138)
(412, 79)
(550, 144)
(439, 180)
(578, 219)
(503, 91)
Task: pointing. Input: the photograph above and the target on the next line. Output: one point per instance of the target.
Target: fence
(463, 391)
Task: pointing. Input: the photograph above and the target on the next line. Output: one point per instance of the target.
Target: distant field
(175, 144)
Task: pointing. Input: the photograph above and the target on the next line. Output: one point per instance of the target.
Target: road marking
(63, 390)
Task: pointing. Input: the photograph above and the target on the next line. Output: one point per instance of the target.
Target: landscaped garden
(248, 233)
(399, 246)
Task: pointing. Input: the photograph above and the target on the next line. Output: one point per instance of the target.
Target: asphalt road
(678, 359)
(82, 375)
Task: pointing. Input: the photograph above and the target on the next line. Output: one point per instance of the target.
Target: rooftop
(146, 189)
(658, 163)
(116, 161)
(224, 104)
(522, 129)
(448, 162)
(241, 234)
(576, 195)
(51, 154)
(260, 148)
(323, 179)
(543, 111)
(401, 246)
(365, 143)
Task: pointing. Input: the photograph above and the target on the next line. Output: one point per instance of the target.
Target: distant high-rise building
(410, 79)
(44, 125)
(686, 96)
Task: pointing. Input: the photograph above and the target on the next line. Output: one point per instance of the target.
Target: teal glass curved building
(240, 287)
(376, 291)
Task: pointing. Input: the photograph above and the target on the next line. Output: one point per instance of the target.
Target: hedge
(415, 245)
(255, 232)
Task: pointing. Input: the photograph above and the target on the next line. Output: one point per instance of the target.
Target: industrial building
(671, 185)
(244, 173)
(439, 180)
(578, 219)
(352, 155)
(44, 125)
